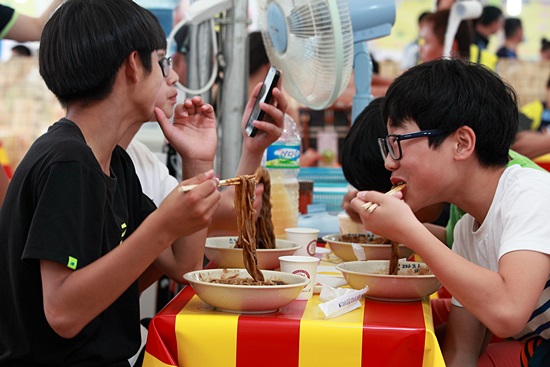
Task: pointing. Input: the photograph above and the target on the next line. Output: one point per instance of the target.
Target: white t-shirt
(517, 220)
(156, 181)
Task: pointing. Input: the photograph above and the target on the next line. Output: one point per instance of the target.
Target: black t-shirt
(60, 206)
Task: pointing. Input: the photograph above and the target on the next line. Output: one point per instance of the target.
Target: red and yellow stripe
(190, 333)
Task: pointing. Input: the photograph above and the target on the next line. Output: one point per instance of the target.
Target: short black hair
(362, 163)
(511, 25)
(257, 53)
(489, 15)
(85, 42)
(544, 44)
(447, 94)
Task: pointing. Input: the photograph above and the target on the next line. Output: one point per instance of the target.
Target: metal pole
(234, 90)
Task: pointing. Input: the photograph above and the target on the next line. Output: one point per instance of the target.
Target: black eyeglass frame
(165, 65)
(387, 148)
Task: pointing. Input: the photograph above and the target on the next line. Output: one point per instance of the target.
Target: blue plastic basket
(329, 186)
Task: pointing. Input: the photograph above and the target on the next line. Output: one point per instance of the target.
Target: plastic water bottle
(282, 160)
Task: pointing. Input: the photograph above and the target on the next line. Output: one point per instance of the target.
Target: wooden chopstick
(370, 206)
(226, 182)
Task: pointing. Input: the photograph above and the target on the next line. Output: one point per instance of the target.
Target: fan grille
(318, 60)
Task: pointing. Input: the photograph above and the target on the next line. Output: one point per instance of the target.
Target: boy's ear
(465, 142)
(132, 64)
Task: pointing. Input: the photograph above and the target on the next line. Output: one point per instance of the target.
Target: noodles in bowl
(246, 297)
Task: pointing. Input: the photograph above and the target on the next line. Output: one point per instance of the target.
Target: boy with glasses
(499, 266)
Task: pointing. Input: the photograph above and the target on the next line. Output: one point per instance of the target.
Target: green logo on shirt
(123, 227)
(72, 263)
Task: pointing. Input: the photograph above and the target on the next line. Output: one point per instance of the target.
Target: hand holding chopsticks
(370, 206)
(226, 182)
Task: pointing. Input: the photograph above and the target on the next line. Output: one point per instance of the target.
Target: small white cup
(305, 266)
(306, 237)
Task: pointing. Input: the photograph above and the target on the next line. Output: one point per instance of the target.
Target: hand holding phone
(270, 82)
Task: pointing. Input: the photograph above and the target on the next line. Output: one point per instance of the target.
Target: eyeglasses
(165, 65)
(391, 144)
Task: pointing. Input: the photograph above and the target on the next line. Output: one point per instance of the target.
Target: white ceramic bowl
(246, 298)
(344, 250)
(402, 287)
(222, 252)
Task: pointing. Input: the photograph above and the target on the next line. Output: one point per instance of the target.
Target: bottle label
(281, 155)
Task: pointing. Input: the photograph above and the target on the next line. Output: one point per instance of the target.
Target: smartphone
(270, 82)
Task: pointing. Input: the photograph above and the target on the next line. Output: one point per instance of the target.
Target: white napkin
(359, 252)
(338, 301)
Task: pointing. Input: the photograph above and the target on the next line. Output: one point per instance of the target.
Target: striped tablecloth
(189, 333)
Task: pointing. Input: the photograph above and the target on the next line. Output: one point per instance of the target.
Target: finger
(268, 127)
(272, 113)
(280, 99)
(163, 121)
(208, 111)
(189, 106)
(198, 102)
(201, 177)
(180, 110)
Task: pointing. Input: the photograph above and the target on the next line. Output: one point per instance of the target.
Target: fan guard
(311, 41)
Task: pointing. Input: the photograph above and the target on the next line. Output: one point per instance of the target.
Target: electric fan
(317, 43)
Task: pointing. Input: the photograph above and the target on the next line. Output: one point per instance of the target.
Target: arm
(73, 298)
(193, 135)
(464, 339)
(498, 299)
(531, 144)
(28, 28)
(225, 221)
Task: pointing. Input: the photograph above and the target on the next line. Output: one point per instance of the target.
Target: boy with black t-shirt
(78, 238)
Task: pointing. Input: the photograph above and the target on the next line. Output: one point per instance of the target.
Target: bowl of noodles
(222, 252)
(414, 280)
(234, 290)
(375, 247)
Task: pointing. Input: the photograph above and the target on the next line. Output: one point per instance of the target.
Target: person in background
(411, 54)
(544, 49)
(79, 238)
(432, 37)
(513, 36)
(20, 28)
(489, 23)
(467, 146)
(539, 112)
(20, 51)
(179, 63)
(528, 142)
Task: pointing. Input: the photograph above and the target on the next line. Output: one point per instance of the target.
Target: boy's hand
(184, 213)
(393, 218)
(272, 127)
(193, 133)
